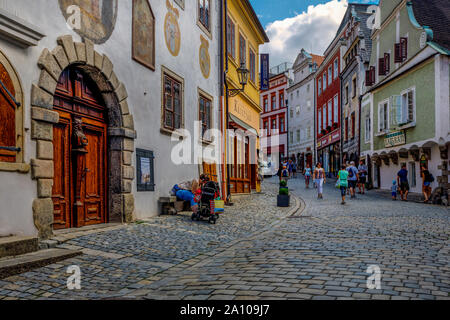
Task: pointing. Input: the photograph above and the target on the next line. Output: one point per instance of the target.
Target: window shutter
(372, 74)
(387, 61)
(410, 95)
(368, 78)
(381, 69)
(398, 53)
(397, 110)
(404, 48)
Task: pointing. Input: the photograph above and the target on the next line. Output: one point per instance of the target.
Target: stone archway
(121, 133)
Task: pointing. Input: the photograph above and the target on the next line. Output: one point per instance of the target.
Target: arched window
(11, 125)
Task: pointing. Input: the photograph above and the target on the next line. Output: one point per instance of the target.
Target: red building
(274, 115)
(328, 105)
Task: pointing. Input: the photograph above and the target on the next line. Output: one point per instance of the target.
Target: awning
(242, 124)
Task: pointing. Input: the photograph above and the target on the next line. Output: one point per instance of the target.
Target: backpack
(350, 172)
(429, 177)
(285, 173)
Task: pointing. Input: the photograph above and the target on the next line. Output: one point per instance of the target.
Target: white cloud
(313, 30)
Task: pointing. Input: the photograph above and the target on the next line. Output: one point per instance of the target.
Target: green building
(405, 116)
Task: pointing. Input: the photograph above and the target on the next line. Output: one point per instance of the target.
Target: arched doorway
(80, 152)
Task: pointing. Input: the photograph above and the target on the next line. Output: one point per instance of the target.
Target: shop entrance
(80, 152)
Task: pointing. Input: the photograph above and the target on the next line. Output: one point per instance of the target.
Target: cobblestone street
(257, 251)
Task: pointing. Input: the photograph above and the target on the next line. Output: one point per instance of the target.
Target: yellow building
(243, 34)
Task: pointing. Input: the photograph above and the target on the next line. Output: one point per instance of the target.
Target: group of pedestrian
(287, 169)
(350, 178)
(401, 184)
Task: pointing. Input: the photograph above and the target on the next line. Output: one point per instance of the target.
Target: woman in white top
(319, 178)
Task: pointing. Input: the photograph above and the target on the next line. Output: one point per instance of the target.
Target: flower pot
(283, 200)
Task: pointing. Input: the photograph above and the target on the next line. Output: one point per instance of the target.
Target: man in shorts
(402, 180)
(353, 177)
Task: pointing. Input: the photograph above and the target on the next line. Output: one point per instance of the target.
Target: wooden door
(80, 150)
(7, 118)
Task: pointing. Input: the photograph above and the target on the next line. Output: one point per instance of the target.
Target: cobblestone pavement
(117, 262)
(325, 255)
(322, 254)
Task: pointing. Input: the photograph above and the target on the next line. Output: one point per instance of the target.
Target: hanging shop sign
(395, 139)
(264, 71)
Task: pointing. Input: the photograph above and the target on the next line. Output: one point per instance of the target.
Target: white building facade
(301, 108)
(96, 89)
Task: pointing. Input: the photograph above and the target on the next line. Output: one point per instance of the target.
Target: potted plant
(283, 198)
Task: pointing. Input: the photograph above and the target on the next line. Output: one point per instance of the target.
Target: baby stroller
(209, 193)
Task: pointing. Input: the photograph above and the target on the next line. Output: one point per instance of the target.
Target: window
(242, 50)
(204, 13)
(336, 109)
(308, 132)
(354, 88)
(336, 68)
(266, 104)
(274, 124)
(346, 129)
(320, 86)
(266, 128)
(231, 38)
(291, 113)
(408, 106)
(291, 137)
(252, 66)
(274, 102)
(172, 103)
(297, 110)
(298, 93)
(330, 75)
(281, 100)
(367, 128)
(346, 94)
(298, 136)
(353, 128)
(387, 63)
(205, 115)
(401, 50)
(282, 124)
(324, 81)
(308, 88)
(383, 116)
(319, 120)
(324, 116)
(412, 174)
(330, 113)
(370, 76)
(10, 112)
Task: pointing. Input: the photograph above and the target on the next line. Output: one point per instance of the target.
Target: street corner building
(91, 92)
(243, 36)
(405, 117)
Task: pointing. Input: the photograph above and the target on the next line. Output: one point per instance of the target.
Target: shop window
(11, 117)
(172, 101)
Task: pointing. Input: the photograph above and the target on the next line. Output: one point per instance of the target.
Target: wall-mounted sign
(204, 58)
(172, 32)
(394, 139)
(91, 19)
(330, 139)
(145, 170)
(264, 72)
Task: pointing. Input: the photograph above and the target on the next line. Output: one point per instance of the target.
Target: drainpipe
(221, 68)
(228, 198)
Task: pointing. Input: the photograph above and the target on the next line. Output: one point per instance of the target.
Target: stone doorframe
(121, 133)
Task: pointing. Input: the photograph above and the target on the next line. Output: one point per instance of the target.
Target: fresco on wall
(97, 17)
(205, 60)
(143, 33)
(172, 30)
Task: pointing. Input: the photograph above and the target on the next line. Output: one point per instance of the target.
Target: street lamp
(242, 72)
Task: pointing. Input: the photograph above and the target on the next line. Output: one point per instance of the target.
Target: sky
(295, 24)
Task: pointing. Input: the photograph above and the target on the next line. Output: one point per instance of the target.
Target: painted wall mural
(205, 60)
(97, 17)
(172, 30)
(143, 33)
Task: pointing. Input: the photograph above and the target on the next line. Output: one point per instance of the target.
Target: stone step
(14, 245)
(23, 263)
